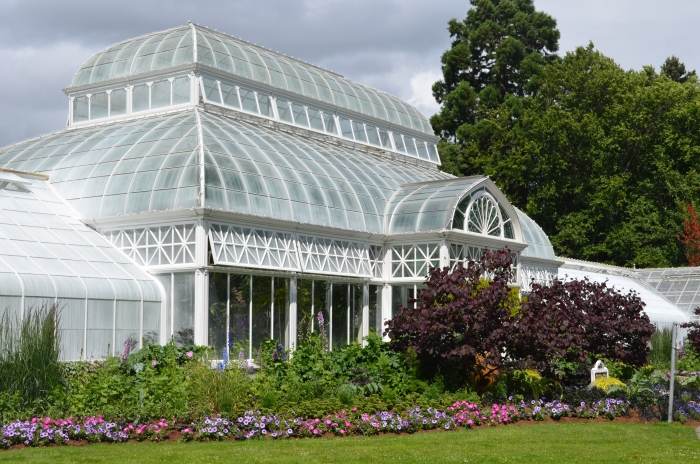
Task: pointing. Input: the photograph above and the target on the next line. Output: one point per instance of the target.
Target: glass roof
(47, 254)
(661, 311)
(153, 164)
(681, 286)
(426, 206)
(189, 44)
(538, 243)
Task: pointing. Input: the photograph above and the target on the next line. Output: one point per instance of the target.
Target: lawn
(592, 442)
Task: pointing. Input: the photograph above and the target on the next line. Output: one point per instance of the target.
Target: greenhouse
(218, 193)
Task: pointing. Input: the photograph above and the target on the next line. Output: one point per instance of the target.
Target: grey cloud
(365, 40)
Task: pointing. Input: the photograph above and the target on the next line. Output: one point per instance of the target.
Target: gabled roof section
(195, 44)
(40, 237)
(155, 164)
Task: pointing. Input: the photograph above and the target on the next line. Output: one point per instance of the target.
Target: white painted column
(293, 330)
(201, 286)
(365, 312)
(444, 254)
(385, 313)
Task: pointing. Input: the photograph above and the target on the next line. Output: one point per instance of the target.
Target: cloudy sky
(394, 45)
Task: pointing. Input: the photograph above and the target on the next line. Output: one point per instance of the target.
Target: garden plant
(471, 353)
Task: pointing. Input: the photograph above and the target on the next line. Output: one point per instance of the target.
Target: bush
(460, 326)
(29, 358)
(572, 320)
(661, 346)
(605, 383)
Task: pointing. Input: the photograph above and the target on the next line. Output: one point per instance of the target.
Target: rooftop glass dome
(192, 44)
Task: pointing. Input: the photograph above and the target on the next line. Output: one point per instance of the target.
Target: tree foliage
(691, 237)
(499, 50)
(460, 324)
(694, 332)
(574, 319)
(675, 70)
(604, 159)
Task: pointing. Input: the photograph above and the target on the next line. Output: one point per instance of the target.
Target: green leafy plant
(29, 358)
(538, 385)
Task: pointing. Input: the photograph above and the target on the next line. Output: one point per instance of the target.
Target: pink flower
(154, 362)
(189, 354)
(315, 430)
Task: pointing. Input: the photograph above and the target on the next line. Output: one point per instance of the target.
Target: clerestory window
(480, 213)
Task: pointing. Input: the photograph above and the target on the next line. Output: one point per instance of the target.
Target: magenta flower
(189, 354)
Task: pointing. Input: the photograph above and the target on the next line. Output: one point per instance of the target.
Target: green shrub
(346, 394)
(29, 359)
(226, 392)
(661, 345)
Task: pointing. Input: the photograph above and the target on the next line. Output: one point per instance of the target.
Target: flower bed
(254, 424)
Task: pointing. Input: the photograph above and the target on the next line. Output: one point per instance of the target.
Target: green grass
(549, 442)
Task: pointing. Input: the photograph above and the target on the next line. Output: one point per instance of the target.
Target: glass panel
(262, 296)
(329, 122)
(398, 141)
(304, 309)
(280, 324)
(217, 314)
(80, 109)
(181, 90)
(322, 303)
(230, 95)
(98, 105)
(399, 298)
(265, 106)
(284, 111)
(340, 317)
(211, 90)
(183, 309)
(356, 291)
(315, 119)
(359, 130)
(384, 139)
(432, 151)
(422, 151)
(375, 309)
(140, 99)
(166, 281)
(410, 147)
(160, 94)
(300, 118)
(248, 100)
(372, 135)
(346, 128)
(239, 316)
(117, 104)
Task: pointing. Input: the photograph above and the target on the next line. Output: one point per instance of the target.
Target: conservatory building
(211, 191)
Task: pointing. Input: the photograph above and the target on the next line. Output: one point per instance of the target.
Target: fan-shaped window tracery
(480, 213)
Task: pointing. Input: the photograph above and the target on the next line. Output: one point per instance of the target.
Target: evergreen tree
(499, 50)
(675, 70)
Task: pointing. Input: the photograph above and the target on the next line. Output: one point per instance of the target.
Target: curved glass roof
(47, 256)
(538, 243)
(153, 164)
(426, 206)
(190, 44)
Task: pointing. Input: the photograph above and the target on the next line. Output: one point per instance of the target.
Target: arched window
(480, 213)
